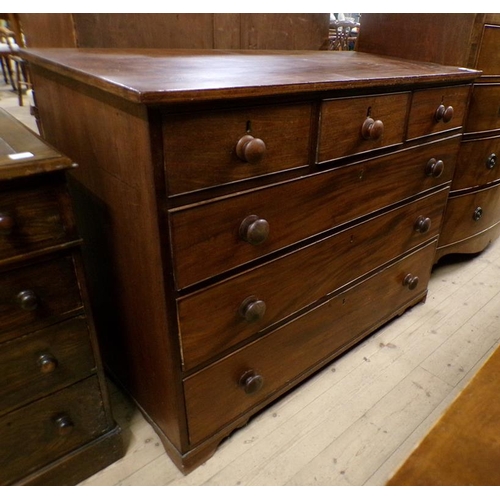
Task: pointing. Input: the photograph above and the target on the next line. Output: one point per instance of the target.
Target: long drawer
(43, 362)
(208, 148)
(470, 214)
(216, 236)
(41, 432)
(478, 163)
(38, 292)
(214, 319)
(229, 388)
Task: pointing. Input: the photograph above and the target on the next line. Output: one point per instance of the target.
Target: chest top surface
(23, 153)
(155, 76)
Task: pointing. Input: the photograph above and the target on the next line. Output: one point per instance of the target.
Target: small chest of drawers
(472, 219)
(251, 215)
(56, 426)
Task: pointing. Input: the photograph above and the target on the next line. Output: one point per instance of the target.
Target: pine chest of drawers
(56, 426)
(249, 216)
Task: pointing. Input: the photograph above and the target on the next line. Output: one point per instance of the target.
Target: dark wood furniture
(56, 426)
(472, 217)
(249, 215)
(278, 31)
(462, 448)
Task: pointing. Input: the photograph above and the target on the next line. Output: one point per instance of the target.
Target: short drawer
(30, 220)
(488, 60)
(484, 109)
(359, 124)
(470, 214)
(38, 292)
(227, 389)
(437, 110)
(217, 147)
(216, 236)
(43, 362)
(44, 431)
(217, 318)
(478, 163)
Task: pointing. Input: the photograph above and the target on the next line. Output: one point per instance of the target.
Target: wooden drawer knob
(27, 300)
(422, 224)
(410, 281)
(372, 129)
(434, 168)
(252, 309)
(250, 149)
(444, 113)
(47, 363)
(251, 382)
(254, 230)
(491, 161)
(478, 213)
(7, 223)
(64, 425)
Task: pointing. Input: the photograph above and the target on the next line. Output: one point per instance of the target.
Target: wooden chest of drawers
(56, 426)
(472, 218)
(250, 216)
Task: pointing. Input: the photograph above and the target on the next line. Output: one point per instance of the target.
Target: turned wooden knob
(254, 230)
(410, 281)
(252, 309)
(478, 213)
(47, 363)
(372, 129)
(250, 149)
(434, 167)
(444, 113)
(27, 300)
(64, 425)
(422, 224)
(491, 161)
(7, 223)
(251, 382)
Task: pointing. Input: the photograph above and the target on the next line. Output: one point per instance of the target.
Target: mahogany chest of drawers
(249, 215)
(472, 218)
(56, 426)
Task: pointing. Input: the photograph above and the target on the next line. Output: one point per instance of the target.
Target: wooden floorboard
(358, 419)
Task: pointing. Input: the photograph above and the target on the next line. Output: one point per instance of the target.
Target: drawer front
(488, 60)
(44, 431)
(38, 292)
(213, 237)
(225, 314)
(216, 147)
(358, 124)
(470, 214)
(437, 110)
(478, 163)
(484, 109)
(43, 362)
(227, 389)
(30, 220)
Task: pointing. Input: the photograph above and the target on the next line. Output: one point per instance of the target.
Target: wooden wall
(191, 31)
(441, 38)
